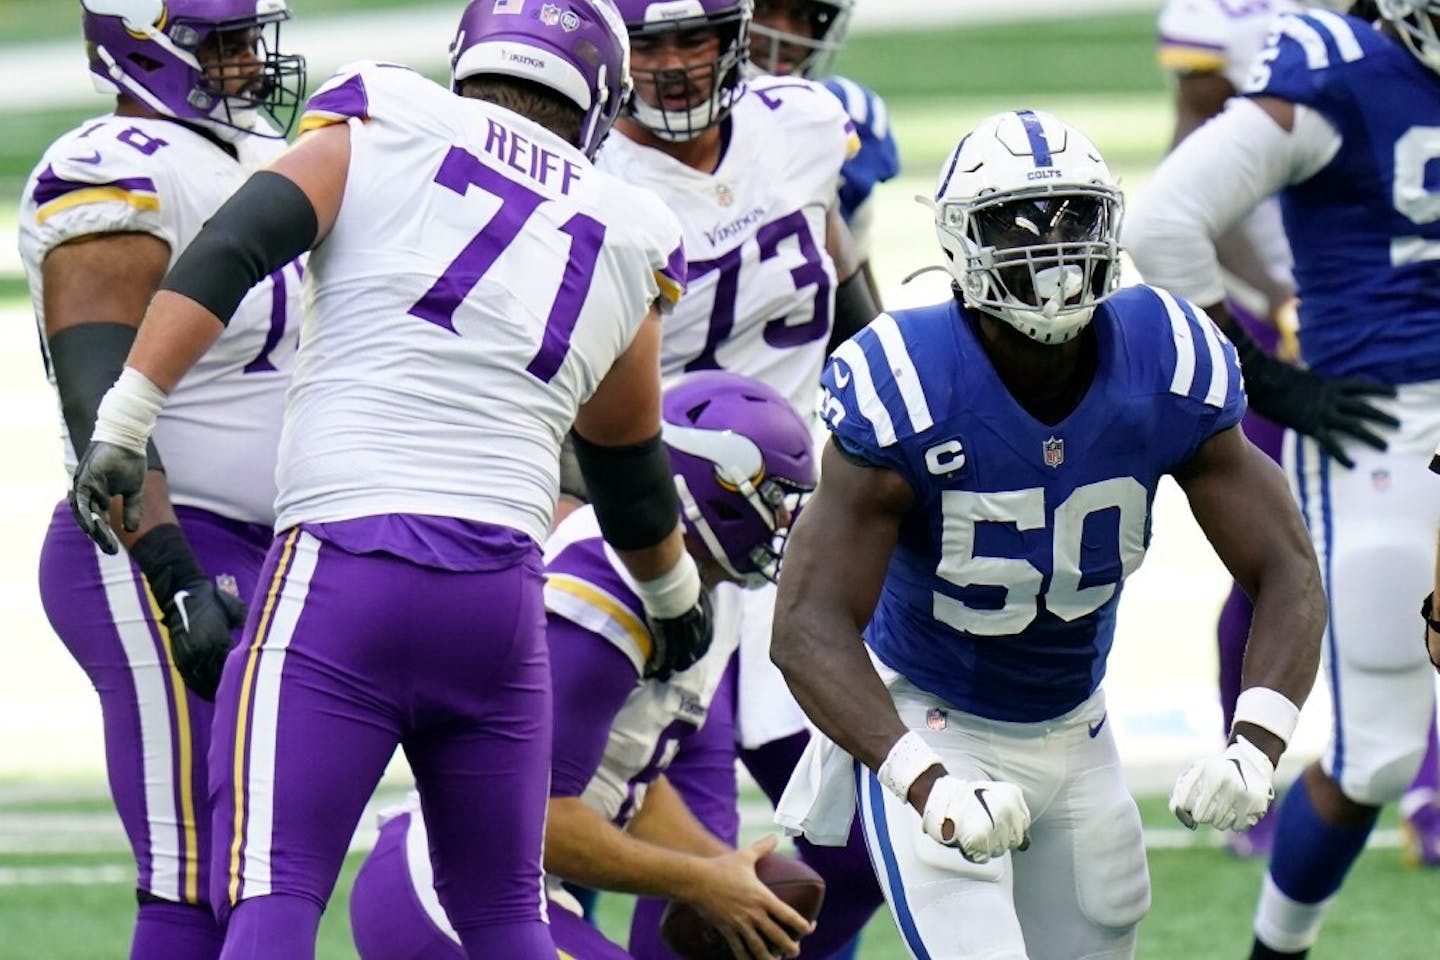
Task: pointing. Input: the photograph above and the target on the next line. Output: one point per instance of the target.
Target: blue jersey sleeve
(1202, 373)
(1297, 60)
(873, 400)
(878, 158)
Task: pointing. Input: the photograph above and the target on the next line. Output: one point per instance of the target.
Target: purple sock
(175, 931)
(1311, 857)
(1429, 776)
(273, 927)
(1232, 633)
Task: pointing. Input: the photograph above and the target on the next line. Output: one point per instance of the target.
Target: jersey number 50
(961, 510)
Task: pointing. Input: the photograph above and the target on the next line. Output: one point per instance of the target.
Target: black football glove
(200, 619)
(1328, 410)
(198, 614)
(105, 471)
(680, 641)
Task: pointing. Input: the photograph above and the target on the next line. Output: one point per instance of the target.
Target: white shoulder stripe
(1219, 369)
(1316, 56)
(856, 103)
(907, 378)
(1339, 29)
(871, 408)
(1184, 344)
(880, 123)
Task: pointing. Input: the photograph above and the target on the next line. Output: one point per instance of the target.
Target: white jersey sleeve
(219, 429)
(760, 285)
(1216, 36)
(480, 280)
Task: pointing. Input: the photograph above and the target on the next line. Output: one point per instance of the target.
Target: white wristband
(910, 757)
(1269, 710)
(127, 413)
(671, 594)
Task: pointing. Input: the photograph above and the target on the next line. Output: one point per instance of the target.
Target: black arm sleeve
(266, 224)
(632, 490)
(854, 308)
(86, 360)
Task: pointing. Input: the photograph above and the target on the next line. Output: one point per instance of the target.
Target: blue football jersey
(1366, 229)
(878, 159)
(1000, 597)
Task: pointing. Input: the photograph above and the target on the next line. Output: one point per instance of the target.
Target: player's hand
(984, 818)
(200, 618)
(1329, 410)
(1230, 791)
(754, 922)
(106, 471)
(680, 642)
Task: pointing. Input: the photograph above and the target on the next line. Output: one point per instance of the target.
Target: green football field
(65, 875)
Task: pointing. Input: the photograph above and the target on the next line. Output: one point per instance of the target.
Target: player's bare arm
(178, 329)
(1432, 637)
(1241, 501)
(96, 290)
(651, 860)
(835, 565)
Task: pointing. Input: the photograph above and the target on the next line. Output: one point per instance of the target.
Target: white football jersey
(219, 430)
(586, 583)
(1217, 36)
(1226, 37)
(761, 287)
(480, 280)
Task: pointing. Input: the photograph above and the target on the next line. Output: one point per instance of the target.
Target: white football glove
(1230, 791)
(987, 818)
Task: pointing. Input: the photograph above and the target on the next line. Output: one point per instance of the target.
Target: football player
(740, 453)
(750, 167)
(949, 598)
(202, 97)
(1338, 118)
(477, 286)
(1209, 46)
(802, 38)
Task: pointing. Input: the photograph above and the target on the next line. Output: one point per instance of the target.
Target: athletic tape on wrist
(910, 757)
(671, 594)
(1267, 709)
(127, 413)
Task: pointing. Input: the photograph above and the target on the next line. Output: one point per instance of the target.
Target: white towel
(819, 800)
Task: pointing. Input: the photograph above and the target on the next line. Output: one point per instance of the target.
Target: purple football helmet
(740, 454)
(655, 21)
(169, 55)
(776, 51)
(578, 48)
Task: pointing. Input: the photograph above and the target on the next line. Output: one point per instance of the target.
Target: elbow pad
(266, 224)
(87, 360)
(632, 490)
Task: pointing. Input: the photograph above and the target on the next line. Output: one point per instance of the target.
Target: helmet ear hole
(148, 64)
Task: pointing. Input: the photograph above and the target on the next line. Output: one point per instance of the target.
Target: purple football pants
(390, 922)
(344, 657)
(157, 733)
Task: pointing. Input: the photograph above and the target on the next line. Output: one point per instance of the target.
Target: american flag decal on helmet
(1054, 452)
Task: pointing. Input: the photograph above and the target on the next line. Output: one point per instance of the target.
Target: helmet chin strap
(707, 535)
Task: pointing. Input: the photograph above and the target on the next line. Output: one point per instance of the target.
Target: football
(691, 936)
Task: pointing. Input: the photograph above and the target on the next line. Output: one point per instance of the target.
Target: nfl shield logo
(550, 15)
(937, 719)
(1054, 452)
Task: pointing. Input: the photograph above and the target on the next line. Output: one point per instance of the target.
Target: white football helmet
(1412, 19)
(1029, 218)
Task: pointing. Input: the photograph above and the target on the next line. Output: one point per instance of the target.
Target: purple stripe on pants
(356, 654)
(99, 608)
